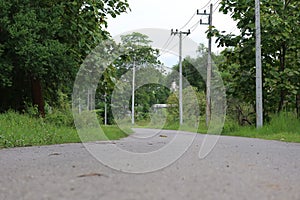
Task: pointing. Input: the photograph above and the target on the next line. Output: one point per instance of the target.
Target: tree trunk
(37, 95)
(282, 68)
(298, 105)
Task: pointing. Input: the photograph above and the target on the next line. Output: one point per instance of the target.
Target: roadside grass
(21, 130)
(282, 127)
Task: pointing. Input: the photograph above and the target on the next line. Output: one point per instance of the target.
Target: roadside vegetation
(43, 45)
(21, 130)
(283, 127)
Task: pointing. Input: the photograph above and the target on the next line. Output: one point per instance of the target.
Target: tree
(280, 21)
(194, 69)
(192, 108)
(138, 53)
(42, 44)
(137, 50)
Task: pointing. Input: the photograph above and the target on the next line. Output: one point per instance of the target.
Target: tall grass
(283, 127)
(18, 130)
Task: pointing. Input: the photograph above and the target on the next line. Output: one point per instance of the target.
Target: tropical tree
(43, 43)
(138, 53)
(280, 21)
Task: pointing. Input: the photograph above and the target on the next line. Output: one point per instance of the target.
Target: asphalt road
(237, 168)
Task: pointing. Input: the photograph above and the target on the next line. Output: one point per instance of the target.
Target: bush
(18, 130)
(87, 119)
(230, 125)
(60, 118)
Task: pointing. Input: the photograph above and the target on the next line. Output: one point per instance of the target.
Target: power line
(205, 5)
(188, 21)
(169, 41)
(166, 45)
(170, 50)
(217, 2)
(194, 27)
(196, 13)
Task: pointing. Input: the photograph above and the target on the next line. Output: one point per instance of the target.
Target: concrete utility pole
(180, 71)
(259, 97)
(209, 64)
(133, 88)
(105, 110)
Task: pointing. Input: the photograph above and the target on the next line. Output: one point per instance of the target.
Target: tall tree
(280, 20)
(42, 44)
(137, 49)
(138, 53)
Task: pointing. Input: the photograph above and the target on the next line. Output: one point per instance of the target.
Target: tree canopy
(42, 44)
(280, 20)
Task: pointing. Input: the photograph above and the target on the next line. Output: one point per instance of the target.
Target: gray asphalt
(237, 168)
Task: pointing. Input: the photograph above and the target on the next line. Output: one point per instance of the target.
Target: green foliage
(193, 106)
(137, 52)
(173, 109)
(45, 42)
(60, 118)
(280, 53)
(22, 130)
(18, 130)
(283, 127)
(87, 119)
(191, 69)
(283, 123)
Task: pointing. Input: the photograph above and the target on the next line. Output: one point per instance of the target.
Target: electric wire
(193, 28)
(205, 5)
(166, 45)
(188, 21)
(217, 6)
(168, 42)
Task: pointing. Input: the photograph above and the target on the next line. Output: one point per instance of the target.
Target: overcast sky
(170, 14)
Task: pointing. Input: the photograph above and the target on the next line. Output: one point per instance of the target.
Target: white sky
(170, 14)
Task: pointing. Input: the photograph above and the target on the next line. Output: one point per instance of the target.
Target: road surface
(237, 168)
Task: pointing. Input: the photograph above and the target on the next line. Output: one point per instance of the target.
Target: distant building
(174, 87)
(157, 107)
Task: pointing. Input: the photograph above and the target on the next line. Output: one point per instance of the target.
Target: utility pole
(133, 88)
(259, 98)
(105, 110)
(180, 33)
(209, 64)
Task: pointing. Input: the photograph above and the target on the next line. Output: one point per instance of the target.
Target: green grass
(283, 127)
(18, 130)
